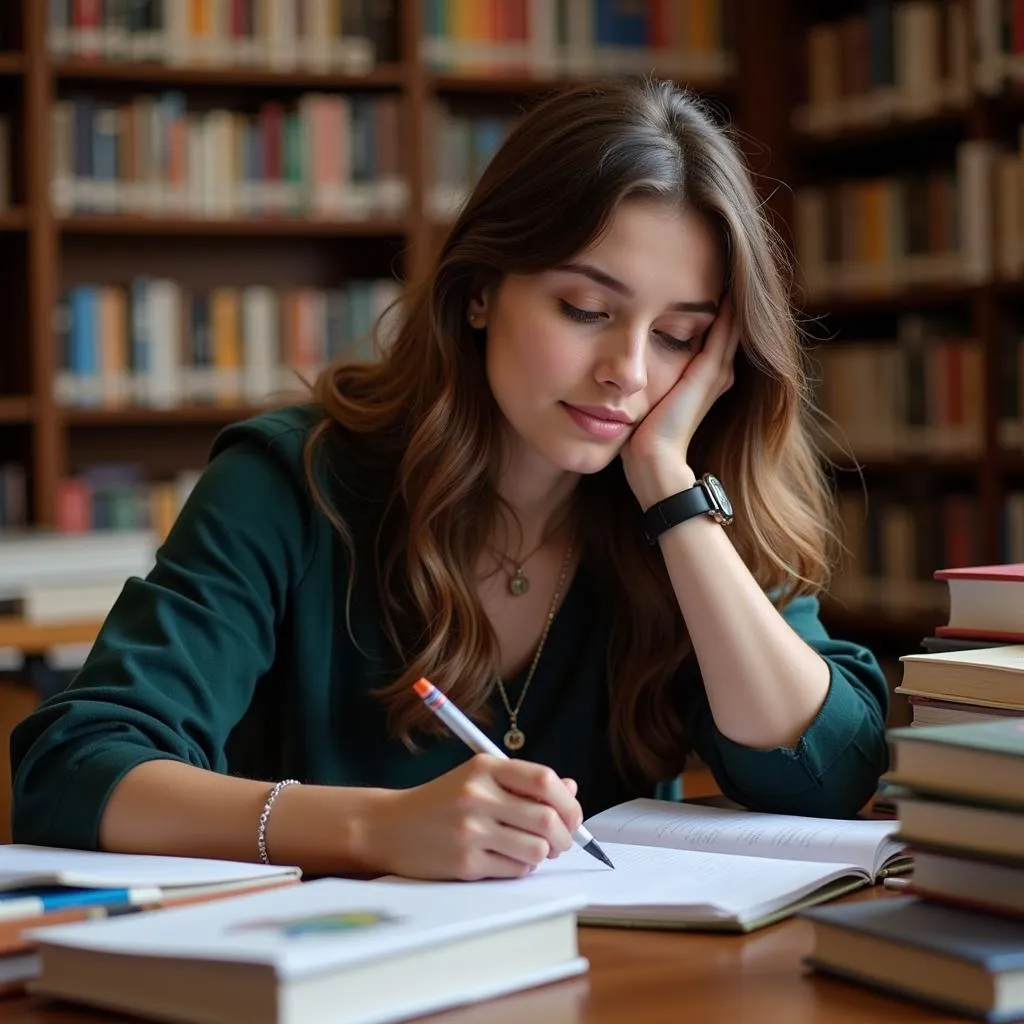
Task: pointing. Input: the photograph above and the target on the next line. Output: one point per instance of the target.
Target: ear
(476, 312)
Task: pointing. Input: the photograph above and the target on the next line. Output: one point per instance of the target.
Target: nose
(623, 362)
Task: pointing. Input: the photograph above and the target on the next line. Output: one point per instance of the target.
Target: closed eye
(674, 343)
(583, 316)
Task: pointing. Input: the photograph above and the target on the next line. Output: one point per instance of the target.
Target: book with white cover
(25, 867)
(332, 950)
(46, 557)
(685, 866)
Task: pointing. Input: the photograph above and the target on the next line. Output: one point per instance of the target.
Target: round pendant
(515, 738)
(519, 584)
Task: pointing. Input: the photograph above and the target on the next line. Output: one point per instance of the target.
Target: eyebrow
(606, 280)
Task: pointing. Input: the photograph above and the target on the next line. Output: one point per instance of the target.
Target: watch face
(718, 495)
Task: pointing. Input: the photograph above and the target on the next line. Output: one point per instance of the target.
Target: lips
(599, 412)
(597, 424)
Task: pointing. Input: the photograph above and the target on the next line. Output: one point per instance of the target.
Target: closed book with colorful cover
(957, 959)
(332, 950)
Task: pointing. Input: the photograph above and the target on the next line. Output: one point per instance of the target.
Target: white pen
(479, 742)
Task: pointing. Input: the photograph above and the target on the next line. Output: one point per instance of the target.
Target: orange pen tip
(422, 687)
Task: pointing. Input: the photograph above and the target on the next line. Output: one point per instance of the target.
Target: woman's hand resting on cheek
(656, 456)
(488, 818)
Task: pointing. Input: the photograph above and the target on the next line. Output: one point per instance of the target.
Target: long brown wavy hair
(425, 411)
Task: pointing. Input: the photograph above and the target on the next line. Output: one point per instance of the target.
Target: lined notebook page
(693, 827)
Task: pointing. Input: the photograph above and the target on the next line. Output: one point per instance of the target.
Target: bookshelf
(46, 68)
(904, 149)
(56, 248)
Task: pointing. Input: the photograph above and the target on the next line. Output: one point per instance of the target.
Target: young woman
(511, 502)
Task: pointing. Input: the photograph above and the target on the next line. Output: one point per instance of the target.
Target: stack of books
(44, 886)
(968, 671)
(957, 939)
(331, 951)
(50, 577)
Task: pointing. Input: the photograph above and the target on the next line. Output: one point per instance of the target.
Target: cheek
(530, 347)
(664, 373)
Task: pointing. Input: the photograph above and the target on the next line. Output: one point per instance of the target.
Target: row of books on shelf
(890, 61)
(921, 393)
(682, 38)
(156, 342)
(323, 155)
(892, 547)
(907, 60)
(999, 44)
(460, 147)
(323, 36)
(535, 37)
(882, 234)
(121, 496)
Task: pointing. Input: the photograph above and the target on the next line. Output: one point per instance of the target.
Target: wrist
(659, 482)
(328, 829)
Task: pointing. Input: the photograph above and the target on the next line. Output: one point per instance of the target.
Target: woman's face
(577, 356)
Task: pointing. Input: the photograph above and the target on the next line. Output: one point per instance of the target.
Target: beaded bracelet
(261, 830)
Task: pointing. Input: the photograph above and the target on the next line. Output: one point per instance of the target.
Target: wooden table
(639, 977)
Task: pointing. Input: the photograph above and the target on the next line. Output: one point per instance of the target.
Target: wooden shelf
(897, 301)
(14, 218)
(532, 85)
(31, 638)
(900, 464)
(12, 63)
(215, 415)
(262, 227)
(881, 623)
(945, 122)
(15, 409)
(385, 76)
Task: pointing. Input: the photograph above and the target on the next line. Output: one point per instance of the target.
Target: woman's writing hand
(488, 818)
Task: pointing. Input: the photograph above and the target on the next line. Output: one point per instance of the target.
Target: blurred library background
(203, 201)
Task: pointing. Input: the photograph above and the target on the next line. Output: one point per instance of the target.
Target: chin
(583, 459)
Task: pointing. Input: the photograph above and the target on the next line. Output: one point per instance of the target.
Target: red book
(985, 601)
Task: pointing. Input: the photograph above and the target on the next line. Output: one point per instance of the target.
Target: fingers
(539, 821)
(722, 347)
(511, 815)
(538, 782)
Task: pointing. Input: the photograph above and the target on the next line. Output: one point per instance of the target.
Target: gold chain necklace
(518, 581)
(514, 737)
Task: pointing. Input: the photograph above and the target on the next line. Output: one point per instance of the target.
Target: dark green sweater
(234, 655)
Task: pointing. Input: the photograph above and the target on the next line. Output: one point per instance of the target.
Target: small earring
(474, 321)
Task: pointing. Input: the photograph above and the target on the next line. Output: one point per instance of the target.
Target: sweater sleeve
(177, 660)
(834, 768)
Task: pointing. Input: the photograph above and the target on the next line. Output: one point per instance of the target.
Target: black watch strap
(675, 509)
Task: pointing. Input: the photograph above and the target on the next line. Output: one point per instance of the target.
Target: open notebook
(689, 866)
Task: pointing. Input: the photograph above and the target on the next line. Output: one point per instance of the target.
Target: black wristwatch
(706, 497)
